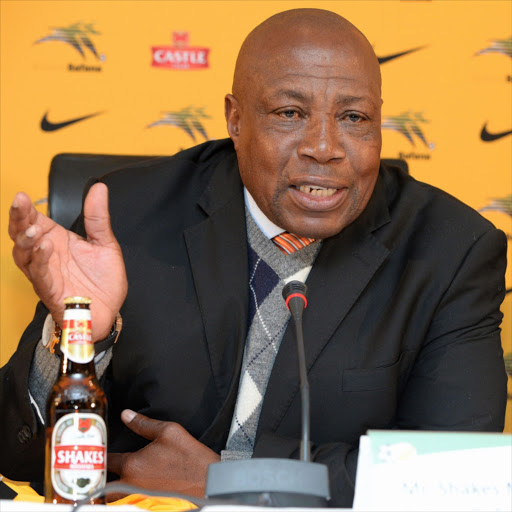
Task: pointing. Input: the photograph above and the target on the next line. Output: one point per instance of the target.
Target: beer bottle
(76, 434)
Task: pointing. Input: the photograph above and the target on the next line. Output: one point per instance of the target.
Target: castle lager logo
(180, 55)
(80, 37)
(76, 340)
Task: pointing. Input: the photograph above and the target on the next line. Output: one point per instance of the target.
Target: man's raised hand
(61, 264)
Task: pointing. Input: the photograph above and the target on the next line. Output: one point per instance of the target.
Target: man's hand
(172, 461)
(61, 264)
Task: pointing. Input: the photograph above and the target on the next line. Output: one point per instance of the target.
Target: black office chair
(69, 173)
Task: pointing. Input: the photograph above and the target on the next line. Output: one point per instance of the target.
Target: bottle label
(76, 340)
(79, 455)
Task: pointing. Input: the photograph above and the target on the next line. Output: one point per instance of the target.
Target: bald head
(304, 118)
(296, 30)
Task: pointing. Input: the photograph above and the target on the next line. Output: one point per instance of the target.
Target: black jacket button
(24, 434)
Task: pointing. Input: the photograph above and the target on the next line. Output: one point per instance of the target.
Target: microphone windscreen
(294, 287)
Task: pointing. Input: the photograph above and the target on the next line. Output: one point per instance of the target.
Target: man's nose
(322, 140)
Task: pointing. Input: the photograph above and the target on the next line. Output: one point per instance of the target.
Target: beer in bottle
(76, 434)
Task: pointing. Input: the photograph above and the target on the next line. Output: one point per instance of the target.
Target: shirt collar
(268, 228)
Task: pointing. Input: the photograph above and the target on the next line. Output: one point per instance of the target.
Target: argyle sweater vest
(269, 270)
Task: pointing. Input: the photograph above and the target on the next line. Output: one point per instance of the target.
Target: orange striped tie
(289, 243)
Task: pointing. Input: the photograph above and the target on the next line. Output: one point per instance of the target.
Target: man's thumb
(96, 215)
(142, 425)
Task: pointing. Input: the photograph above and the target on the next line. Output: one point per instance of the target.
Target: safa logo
(411, 126)
(180, 55)
(499, 204)
(187, 119)
(502, 46)
(79, 36)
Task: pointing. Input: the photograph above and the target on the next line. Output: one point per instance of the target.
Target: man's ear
(232, 114)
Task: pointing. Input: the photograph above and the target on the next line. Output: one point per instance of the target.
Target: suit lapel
(343, 268)
(217, 248)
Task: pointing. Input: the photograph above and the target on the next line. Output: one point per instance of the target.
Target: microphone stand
(277, 482)
(294, 293)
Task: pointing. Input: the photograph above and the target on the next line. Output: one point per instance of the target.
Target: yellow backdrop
(149, 77)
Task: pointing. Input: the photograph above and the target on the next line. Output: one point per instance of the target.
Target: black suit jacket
(401, 330)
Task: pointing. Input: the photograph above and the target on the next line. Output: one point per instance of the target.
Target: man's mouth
(317, 191)
(316, 198)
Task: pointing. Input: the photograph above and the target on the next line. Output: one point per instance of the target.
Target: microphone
(294, 294)
(277, 482)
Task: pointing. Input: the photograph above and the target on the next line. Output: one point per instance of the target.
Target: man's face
(307, 135)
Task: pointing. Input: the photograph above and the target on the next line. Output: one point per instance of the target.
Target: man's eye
(354, 118)
(289, 114)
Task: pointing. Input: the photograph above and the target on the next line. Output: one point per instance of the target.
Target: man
(405, 282)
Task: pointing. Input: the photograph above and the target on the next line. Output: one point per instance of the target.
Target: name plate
(424, 471)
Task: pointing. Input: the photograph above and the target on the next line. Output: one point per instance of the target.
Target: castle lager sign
(180, 56)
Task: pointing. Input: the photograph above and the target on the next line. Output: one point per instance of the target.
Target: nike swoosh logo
(387, 58)
(489, 137)
(48, 126)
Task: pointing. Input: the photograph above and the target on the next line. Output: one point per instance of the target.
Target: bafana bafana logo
(408, 124)
(79, 36)
(411, 126)
(187, 119)
(499, 204)
(502, 46)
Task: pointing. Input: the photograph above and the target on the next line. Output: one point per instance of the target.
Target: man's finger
(115, 462)
(96, 215)
(40, 258)
(25, 244)
(146, 427)
(21, 214)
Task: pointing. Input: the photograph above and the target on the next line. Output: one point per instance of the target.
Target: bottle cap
(77, 300)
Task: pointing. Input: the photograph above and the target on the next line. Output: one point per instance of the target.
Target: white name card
(428, 471)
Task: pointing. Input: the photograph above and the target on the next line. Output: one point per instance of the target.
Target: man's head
(305, 118)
